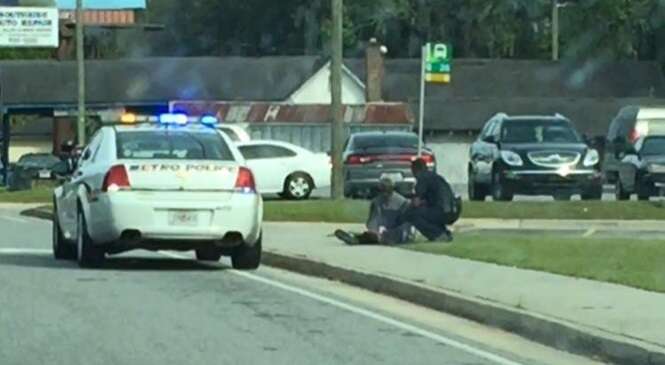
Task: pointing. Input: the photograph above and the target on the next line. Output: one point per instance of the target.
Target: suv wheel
(500, 192)
(477, 192)
(246, 257)
(620, 192)
(298, 186)
(88, 254)
(644, 190)
(562, 197)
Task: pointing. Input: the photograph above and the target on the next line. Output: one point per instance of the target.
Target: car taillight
(116, 179)
(357, 160)
(245, 181)
(429, 159)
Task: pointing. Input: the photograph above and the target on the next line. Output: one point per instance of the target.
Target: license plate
(183, 218)
(393, 176)
(45, 174)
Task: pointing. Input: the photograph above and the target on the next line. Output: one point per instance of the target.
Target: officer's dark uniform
(436, 198)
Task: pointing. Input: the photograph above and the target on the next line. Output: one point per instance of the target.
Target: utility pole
(80, 63)
(555, 30)
(337, 135)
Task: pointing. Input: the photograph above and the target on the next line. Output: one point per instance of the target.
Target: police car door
(68, 207)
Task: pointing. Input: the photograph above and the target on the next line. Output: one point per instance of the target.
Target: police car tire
(62, 250)
(246, 257)
(208, 254)
(89, 256)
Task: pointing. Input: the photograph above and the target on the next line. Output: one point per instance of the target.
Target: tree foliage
(611, 29)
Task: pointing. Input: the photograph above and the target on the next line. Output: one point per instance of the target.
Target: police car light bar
(179, 119)
(168, 119)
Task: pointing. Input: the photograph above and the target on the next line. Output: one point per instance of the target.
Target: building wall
(317, 90)
(314, 137)
(452, 155)
(20, 147)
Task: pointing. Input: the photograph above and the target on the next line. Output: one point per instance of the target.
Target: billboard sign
(28, 27)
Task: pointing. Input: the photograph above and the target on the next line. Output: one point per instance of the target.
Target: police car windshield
(538, 131)
(172, 145)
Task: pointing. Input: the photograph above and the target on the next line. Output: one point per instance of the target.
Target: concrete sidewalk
(615, 323)
(561, 224)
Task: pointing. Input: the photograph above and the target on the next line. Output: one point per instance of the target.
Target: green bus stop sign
(437, 62)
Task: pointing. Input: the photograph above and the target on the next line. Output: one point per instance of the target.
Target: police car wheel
(208, 254)
(246, 257)
(298, 186)
(62, 250)
(89, 256)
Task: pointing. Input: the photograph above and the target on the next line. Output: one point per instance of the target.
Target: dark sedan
(37, 165)
(370, 156)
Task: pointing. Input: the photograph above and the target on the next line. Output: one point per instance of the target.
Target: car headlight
(511, 158)
(592, 158)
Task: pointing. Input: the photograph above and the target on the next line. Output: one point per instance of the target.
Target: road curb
(548, 331)
(545, 330)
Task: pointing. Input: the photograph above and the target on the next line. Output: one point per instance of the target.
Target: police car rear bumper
(176, 216)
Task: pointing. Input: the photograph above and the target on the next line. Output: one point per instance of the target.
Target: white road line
(373, 315)
(19, 251)
(14, 219)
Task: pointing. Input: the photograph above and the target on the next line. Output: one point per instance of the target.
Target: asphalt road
(162, 308)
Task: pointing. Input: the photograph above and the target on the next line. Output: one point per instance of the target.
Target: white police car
(159, 183)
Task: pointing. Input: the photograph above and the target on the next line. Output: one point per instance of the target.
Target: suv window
(487, 129)
(255, 152)
(538, 131)
(172, 145)
(652, 146)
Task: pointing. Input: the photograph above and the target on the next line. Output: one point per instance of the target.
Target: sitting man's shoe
(346, 237)
(444, 237)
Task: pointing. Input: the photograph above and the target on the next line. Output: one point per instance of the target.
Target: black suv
(641, 169)
(532, 155)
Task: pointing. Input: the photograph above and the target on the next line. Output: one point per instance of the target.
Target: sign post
(435, 68)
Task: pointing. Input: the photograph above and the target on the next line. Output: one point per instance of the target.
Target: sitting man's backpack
(452, 204)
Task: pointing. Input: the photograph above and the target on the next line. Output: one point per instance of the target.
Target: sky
(103, 4)
(91, 4)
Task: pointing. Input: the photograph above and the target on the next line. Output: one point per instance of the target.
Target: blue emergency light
(209, 120)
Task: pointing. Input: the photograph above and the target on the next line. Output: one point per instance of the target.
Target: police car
(159, 183)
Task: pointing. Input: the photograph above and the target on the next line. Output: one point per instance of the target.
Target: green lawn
(40, 194)
(631, 262)
(354, 211)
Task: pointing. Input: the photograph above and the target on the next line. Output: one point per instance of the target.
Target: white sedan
(286, 169)
(166, 185)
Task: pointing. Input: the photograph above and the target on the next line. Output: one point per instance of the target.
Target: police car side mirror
(62, 169)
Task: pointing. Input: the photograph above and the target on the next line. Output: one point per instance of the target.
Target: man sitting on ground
(383, 224)
(433, 206)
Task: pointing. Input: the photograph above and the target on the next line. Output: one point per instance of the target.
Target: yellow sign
(438, 78)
